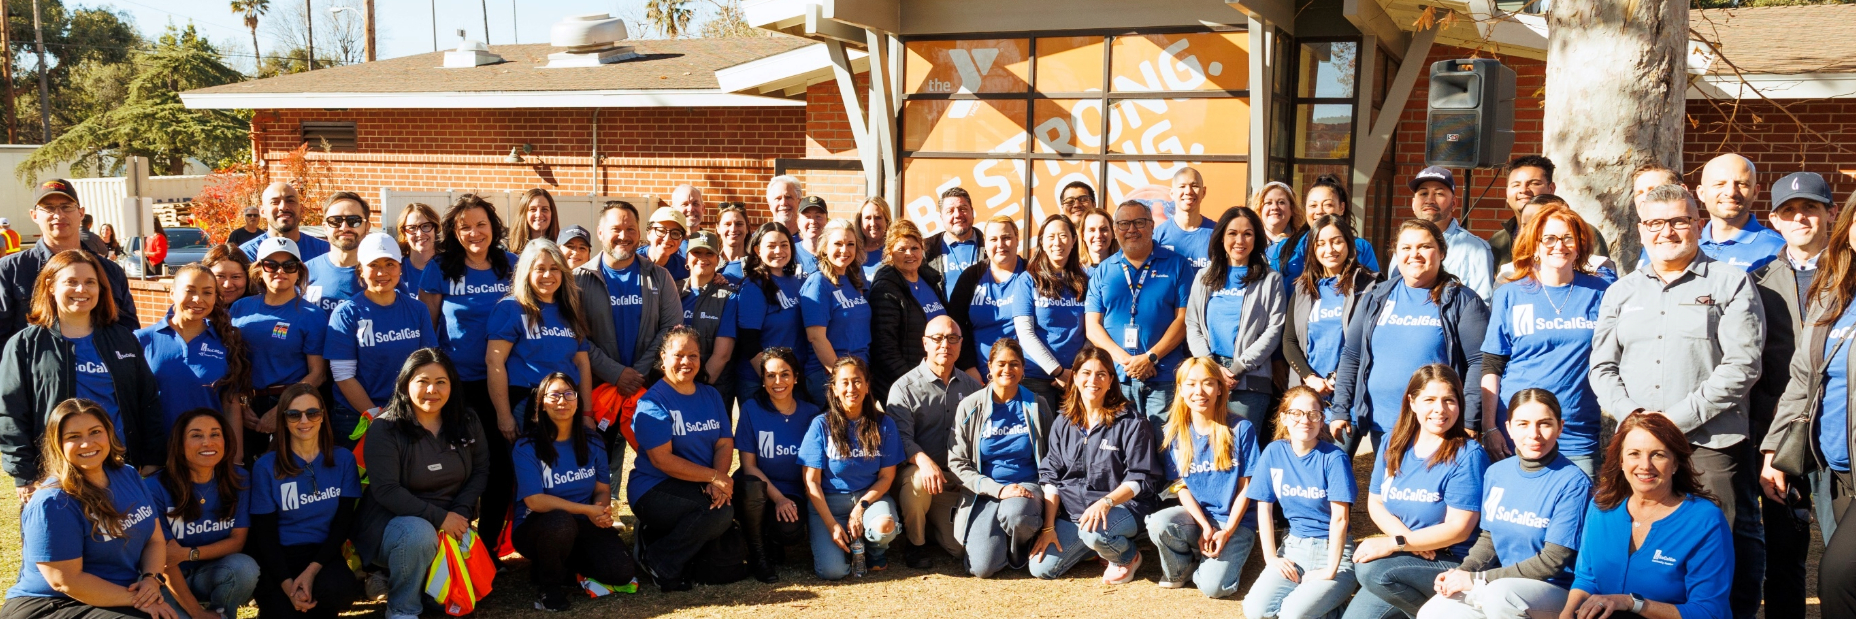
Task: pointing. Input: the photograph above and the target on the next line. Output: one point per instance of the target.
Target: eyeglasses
(1677, 223)
(314, 414)
(251, 216)
(672, 233)
(1078, 202)
(345, 221)
(1550, 240)
(1294, 414)
(561, 396)
(273, 266)
(1130, 225)
(427, 228)
(66, 210)
(951, 338)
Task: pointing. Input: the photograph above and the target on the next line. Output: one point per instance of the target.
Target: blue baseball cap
(1808, 185)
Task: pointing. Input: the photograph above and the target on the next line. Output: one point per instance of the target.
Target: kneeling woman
(427, 465)
(93, 545)
(1214, 452)
(1649, 496)
(1536, 504)
(202, 495)
(998, 440)
(680, 488)
(1311, 573)
(303, 494)
(562, 486)
(1426, 496)
(1100, 475)
(850, 454)
(771, 477)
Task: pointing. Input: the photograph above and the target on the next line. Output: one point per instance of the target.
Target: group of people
(1552, 436)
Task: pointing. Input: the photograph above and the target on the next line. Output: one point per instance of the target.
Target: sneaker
(674, 585)
(917, 557)
(553, 599)
(1168, 584)
(878, 562)
(377, 585)
(1118, 574)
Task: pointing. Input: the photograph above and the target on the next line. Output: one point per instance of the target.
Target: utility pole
(368, 8)
(434, 25)
(309, 34)
(45, 98)
(6, 73)
(515, 29)
(485, 4)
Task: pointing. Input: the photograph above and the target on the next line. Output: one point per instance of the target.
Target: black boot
(917, 556)
(751, 511)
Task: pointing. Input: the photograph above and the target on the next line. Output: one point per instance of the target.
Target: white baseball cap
(273, 244)
(378, 245)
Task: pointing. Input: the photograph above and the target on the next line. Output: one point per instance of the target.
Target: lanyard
(1135, 286)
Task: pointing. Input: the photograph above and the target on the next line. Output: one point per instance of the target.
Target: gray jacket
(1257, 336)
(1804, 393)
(663, 309)
(1301, 304)
(963, 450)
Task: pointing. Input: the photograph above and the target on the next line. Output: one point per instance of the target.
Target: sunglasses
(273, 266)
(345, 221)
(314, 414)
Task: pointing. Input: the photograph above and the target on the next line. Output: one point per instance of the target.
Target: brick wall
(1780, 139)
(151, 299)
(829, 136)
(1479, 191)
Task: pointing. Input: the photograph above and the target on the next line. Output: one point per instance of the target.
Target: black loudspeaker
(1470, 122)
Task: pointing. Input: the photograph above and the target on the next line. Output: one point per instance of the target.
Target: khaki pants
(921, 510)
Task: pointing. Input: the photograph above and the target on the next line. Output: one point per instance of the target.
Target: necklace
(1546, 291)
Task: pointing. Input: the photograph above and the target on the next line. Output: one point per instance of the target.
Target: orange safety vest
(12, 241)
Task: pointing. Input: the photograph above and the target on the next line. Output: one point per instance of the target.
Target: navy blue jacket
(1465, 317)
(1085, 465)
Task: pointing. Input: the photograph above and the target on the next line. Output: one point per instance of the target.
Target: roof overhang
(459, 100)
(786, 74)
(1774, 86)
(825, 20)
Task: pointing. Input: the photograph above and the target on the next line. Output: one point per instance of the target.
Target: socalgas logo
(933, 307)
(1837, 334)
(1043, 301)
(624, 300)
(845, 302)
(182, 529)
(207, 350)
(550, 478)
(1237, 291)
(369, 337)
(1389, 317)
(771, 448)
(1526, 324)
(1493, 509)
(1415, 495)
(1286, 490)
(459, 287)
(131, 519)
(537, 332)
(1202, 466)
(1324, 313)
(679, 428)
(786, 302)
(293, 499)
(996, 431)
(92, 367)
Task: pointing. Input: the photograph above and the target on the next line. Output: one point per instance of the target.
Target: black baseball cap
(1435, 173)
(56, 186)
(812, 202)
(1808, 185)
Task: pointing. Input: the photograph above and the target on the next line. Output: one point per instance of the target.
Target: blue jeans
(222, 584)
(1274, 596)
(1254, 407)
(1397, 586)
(1152, 399)
(409, 543)
(1114, 542)
(1000, 532)
(1176, 538)
(832, 563)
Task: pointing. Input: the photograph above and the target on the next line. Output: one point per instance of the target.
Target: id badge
(1131, 337)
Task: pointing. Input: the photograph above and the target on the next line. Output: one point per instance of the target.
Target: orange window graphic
(964, 126)
(969, 66)
(996, 185)
(1148, 183)
(1049, 176)
(1068, 126)
(1170, 62)
(1181, 127)
(1070, 64)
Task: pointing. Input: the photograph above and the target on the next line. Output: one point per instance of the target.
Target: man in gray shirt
(1682, 337)
(922, 402)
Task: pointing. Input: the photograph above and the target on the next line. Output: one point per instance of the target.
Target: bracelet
(1049, 529)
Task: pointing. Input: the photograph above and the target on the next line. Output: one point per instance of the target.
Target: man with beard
(331, 276)
(1433, 199)
(957, 246)
(1728, 185)
(283, 207)
(783, 193)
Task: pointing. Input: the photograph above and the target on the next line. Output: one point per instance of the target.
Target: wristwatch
(1152, 358)
(1636, 603)
(155, 575)
(193, 554)
(863, 505)
(1400, 540)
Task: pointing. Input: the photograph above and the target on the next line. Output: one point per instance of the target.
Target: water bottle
(858, 565)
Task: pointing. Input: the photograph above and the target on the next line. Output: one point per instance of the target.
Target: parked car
(185, 246)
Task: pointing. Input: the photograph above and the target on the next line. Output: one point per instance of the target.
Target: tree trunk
(257, 59)
(1616, 84)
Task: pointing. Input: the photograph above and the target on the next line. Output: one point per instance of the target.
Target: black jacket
(1085, 465)
(934, 254)
(1780, 295)
(897, 323)
(39, 370)
(20, 272)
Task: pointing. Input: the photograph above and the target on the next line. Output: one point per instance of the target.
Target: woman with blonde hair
(537, 219)
(1098, 238)
(1211, 451)
(904, 295)
(1274, 203)
(832, 305)
(984, 293)
(874, 221)
(418, 228)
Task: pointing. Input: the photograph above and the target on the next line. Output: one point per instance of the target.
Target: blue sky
(403, 27)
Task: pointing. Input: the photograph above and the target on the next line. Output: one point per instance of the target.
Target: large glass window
(1327, 72)
(1013, 120)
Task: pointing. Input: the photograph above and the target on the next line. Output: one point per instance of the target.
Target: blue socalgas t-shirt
(55, 529)
(1421, 495)
(411, 276)
(305, 503)
(873, 260)
(776, 442)
(990, 312)
(328, 285)
(280, 338)
(1291, 263)
(844, 313)
(186, 370)
(1304, 485)
(1525, 511)
(379, 339)
(1546, 333)
(691, 424)
(1148, 297)
(466, 311)
(1833, 420)
(310, 247)
(1224, 313)
(958, 256)
(1409, 335)
(93, 379)
(859, 471)
(928, 297)
(1194, 246)
(566, 477)
(726, 324)
(1217, 490)
(625, 292)
(1007, 454)
(207, 529)
(734, 271)
(536, 350)
(678, 264)
(805, 262)
(1327, 329)
(1059, 322)
(778, 320)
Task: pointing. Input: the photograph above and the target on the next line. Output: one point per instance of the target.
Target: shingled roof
(1782, 40)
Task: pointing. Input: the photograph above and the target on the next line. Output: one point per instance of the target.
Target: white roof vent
(588, 41)
(470, 54)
